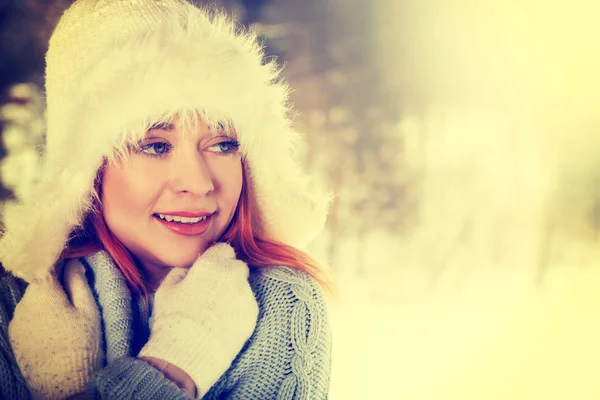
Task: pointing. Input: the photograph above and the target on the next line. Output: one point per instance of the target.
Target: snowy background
(461, 140)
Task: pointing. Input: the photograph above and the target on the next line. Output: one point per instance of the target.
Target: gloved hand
(203, 316)
(56, 336)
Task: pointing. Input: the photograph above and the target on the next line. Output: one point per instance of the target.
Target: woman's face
(174, 195)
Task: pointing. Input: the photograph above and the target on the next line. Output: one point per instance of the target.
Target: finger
(213, 259)
(175, 276)
(218, 270)
(239, 269)
(78, 288)
(224, 272)
(219, 251)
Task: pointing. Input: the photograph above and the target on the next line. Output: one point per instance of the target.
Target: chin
(174, 258)
(180, 256)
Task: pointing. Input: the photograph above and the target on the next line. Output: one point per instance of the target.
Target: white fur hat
(114, 65)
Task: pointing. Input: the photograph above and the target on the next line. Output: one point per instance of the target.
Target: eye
(156, 149)
(226, 147)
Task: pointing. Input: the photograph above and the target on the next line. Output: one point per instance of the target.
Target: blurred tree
(253, 10)
(25, 28)
(350, 116)
(23, 123)
(377, 193)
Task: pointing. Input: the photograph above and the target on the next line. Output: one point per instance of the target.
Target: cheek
(228, 179)
(126, 191)
(235, 184)
(114, 191)
(232, 182)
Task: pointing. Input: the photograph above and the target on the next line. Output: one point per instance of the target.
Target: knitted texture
(289, 355)
(12, 383)
(129, 378)
(122, 315)
(111, 290)
(286, 357)
(203, 316)
(53, 367)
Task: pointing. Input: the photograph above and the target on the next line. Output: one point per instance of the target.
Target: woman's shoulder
(284, 294)
(280, 283)
(280, 274)
(290, 349)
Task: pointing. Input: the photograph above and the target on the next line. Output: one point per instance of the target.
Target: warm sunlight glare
(496, 293)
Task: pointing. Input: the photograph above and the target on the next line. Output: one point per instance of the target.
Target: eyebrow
(162, 126)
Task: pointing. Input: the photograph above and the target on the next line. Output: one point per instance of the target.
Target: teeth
(181, 220)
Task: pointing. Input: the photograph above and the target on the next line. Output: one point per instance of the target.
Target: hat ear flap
(293, 205)
(38, 228)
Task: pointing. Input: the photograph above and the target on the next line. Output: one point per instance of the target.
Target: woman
(154, 258)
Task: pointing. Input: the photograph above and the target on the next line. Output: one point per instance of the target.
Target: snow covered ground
(493, 337)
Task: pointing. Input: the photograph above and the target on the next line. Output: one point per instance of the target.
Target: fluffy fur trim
(108, 79)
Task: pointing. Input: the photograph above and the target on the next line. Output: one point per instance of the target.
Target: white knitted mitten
(56, 336)
(203, 316)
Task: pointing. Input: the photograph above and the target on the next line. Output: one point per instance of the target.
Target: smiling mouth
(181, 219)
(186, 226)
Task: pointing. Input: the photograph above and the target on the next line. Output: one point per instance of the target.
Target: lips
(186, 229)
(189, 214)
(177, 218)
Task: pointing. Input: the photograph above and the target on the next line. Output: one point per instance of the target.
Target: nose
(190, 173)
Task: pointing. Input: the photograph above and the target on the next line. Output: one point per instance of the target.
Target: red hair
(252, 247)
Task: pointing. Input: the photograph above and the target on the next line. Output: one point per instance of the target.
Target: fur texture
(116, 66)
